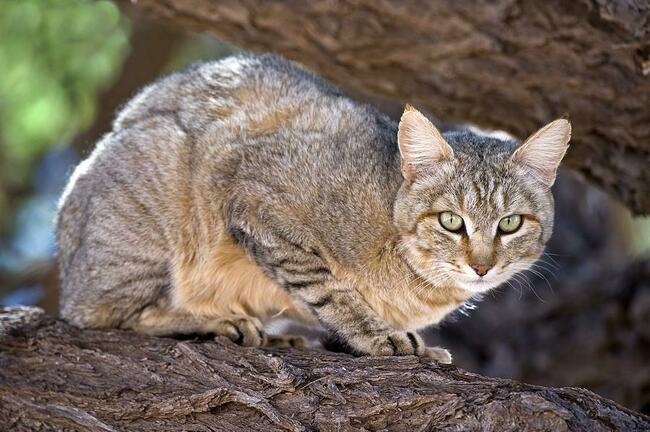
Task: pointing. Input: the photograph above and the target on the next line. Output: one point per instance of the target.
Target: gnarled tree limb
(56, 377)
(505, 64)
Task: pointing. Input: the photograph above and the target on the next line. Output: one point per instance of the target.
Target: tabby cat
(248, 189)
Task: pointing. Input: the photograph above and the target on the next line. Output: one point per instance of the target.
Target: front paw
(406, 343)
(397, 343)
(243, 330)
(437, 353)
(286, 341)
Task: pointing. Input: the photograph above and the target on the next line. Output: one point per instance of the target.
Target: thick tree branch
(506, 64)
(56, 377)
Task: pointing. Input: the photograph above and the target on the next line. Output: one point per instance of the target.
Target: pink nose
(481, 269)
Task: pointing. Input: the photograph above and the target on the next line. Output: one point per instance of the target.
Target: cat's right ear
(421, 145)
(543, 151)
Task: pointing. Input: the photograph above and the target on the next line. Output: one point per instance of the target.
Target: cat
(246, 189)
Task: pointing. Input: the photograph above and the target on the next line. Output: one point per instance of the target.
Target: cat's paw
(397, 343)
(286, 341)
(437, 353)
(241, 329)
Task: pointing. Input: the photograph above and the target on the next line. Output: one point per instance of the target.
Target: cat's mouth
(479, 285)
(468, 281)
(474, 283)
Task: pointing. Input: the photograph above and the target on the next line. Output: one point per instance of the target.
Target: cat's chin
(477, 286)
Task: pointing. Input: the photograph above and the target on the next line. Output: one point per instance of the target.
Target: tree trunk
(505, 64)
(56, 377)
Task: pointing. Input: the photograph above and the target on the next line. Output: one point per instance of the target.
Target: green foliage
(55, 55)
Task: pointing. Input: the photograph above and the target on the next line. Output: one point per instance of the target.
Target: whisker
(546, 266)
(540, 275)
(530, 286)
(551, 264)
(516, 288)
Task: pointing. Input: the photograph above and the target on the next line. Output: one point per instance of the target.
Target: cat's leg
(334, 343)
(355, 325)
(339, 307)
(343, 312)
(241, 329)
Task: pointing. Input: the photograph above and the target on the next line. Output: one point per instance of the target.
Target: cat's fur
(247, 188)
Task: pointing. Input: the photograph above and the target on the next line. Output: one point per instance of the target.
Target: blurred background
(581, 317)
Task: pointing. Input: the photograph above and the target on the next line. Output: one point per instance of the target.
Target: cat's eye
(510, 224)
(450, 221)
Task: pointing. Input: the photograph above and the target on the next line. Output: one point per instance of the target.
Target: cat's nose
(481, 269)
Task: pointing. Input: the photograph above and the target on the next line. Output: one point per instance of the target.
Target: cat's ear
(543, 151)
(421, 145)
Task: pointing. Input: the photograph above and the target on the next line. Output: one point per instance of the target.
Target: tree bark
(56, 377)
(505, 64)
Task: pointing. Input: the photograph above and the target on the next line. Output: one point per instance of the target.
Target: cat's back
(262, 116)
(236, 89)
(194, 111)
(246, 116)
(269, 131)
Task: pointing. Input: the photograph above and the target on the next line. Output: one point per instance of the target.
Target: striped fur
(247, 189)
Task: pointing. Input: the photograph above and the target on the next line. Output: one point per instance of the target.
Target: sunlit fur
(482, 184)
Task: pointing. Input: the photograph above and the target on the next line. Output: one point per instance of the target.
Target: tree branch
(511, 65)
(56, 377)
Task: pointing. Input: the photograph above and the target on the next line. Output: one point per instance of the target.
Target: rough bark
(56, 377)
(505, 64)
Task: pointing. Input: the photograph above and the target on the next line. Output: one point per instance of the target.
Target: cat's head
(474, 210)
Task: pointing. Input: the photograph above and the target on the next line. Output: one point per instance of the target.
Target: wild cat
(247, 188)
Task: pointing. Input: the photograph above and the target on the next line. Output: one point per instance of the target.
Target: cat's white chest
(405, 311)
(430, 315)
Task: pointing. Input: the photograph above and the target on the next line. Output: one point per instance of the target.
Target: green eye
(510, 224)
(450, 221)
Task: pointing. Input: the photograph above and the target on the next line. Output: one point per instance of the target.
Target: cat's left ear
(543, 151)
(421, 145)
